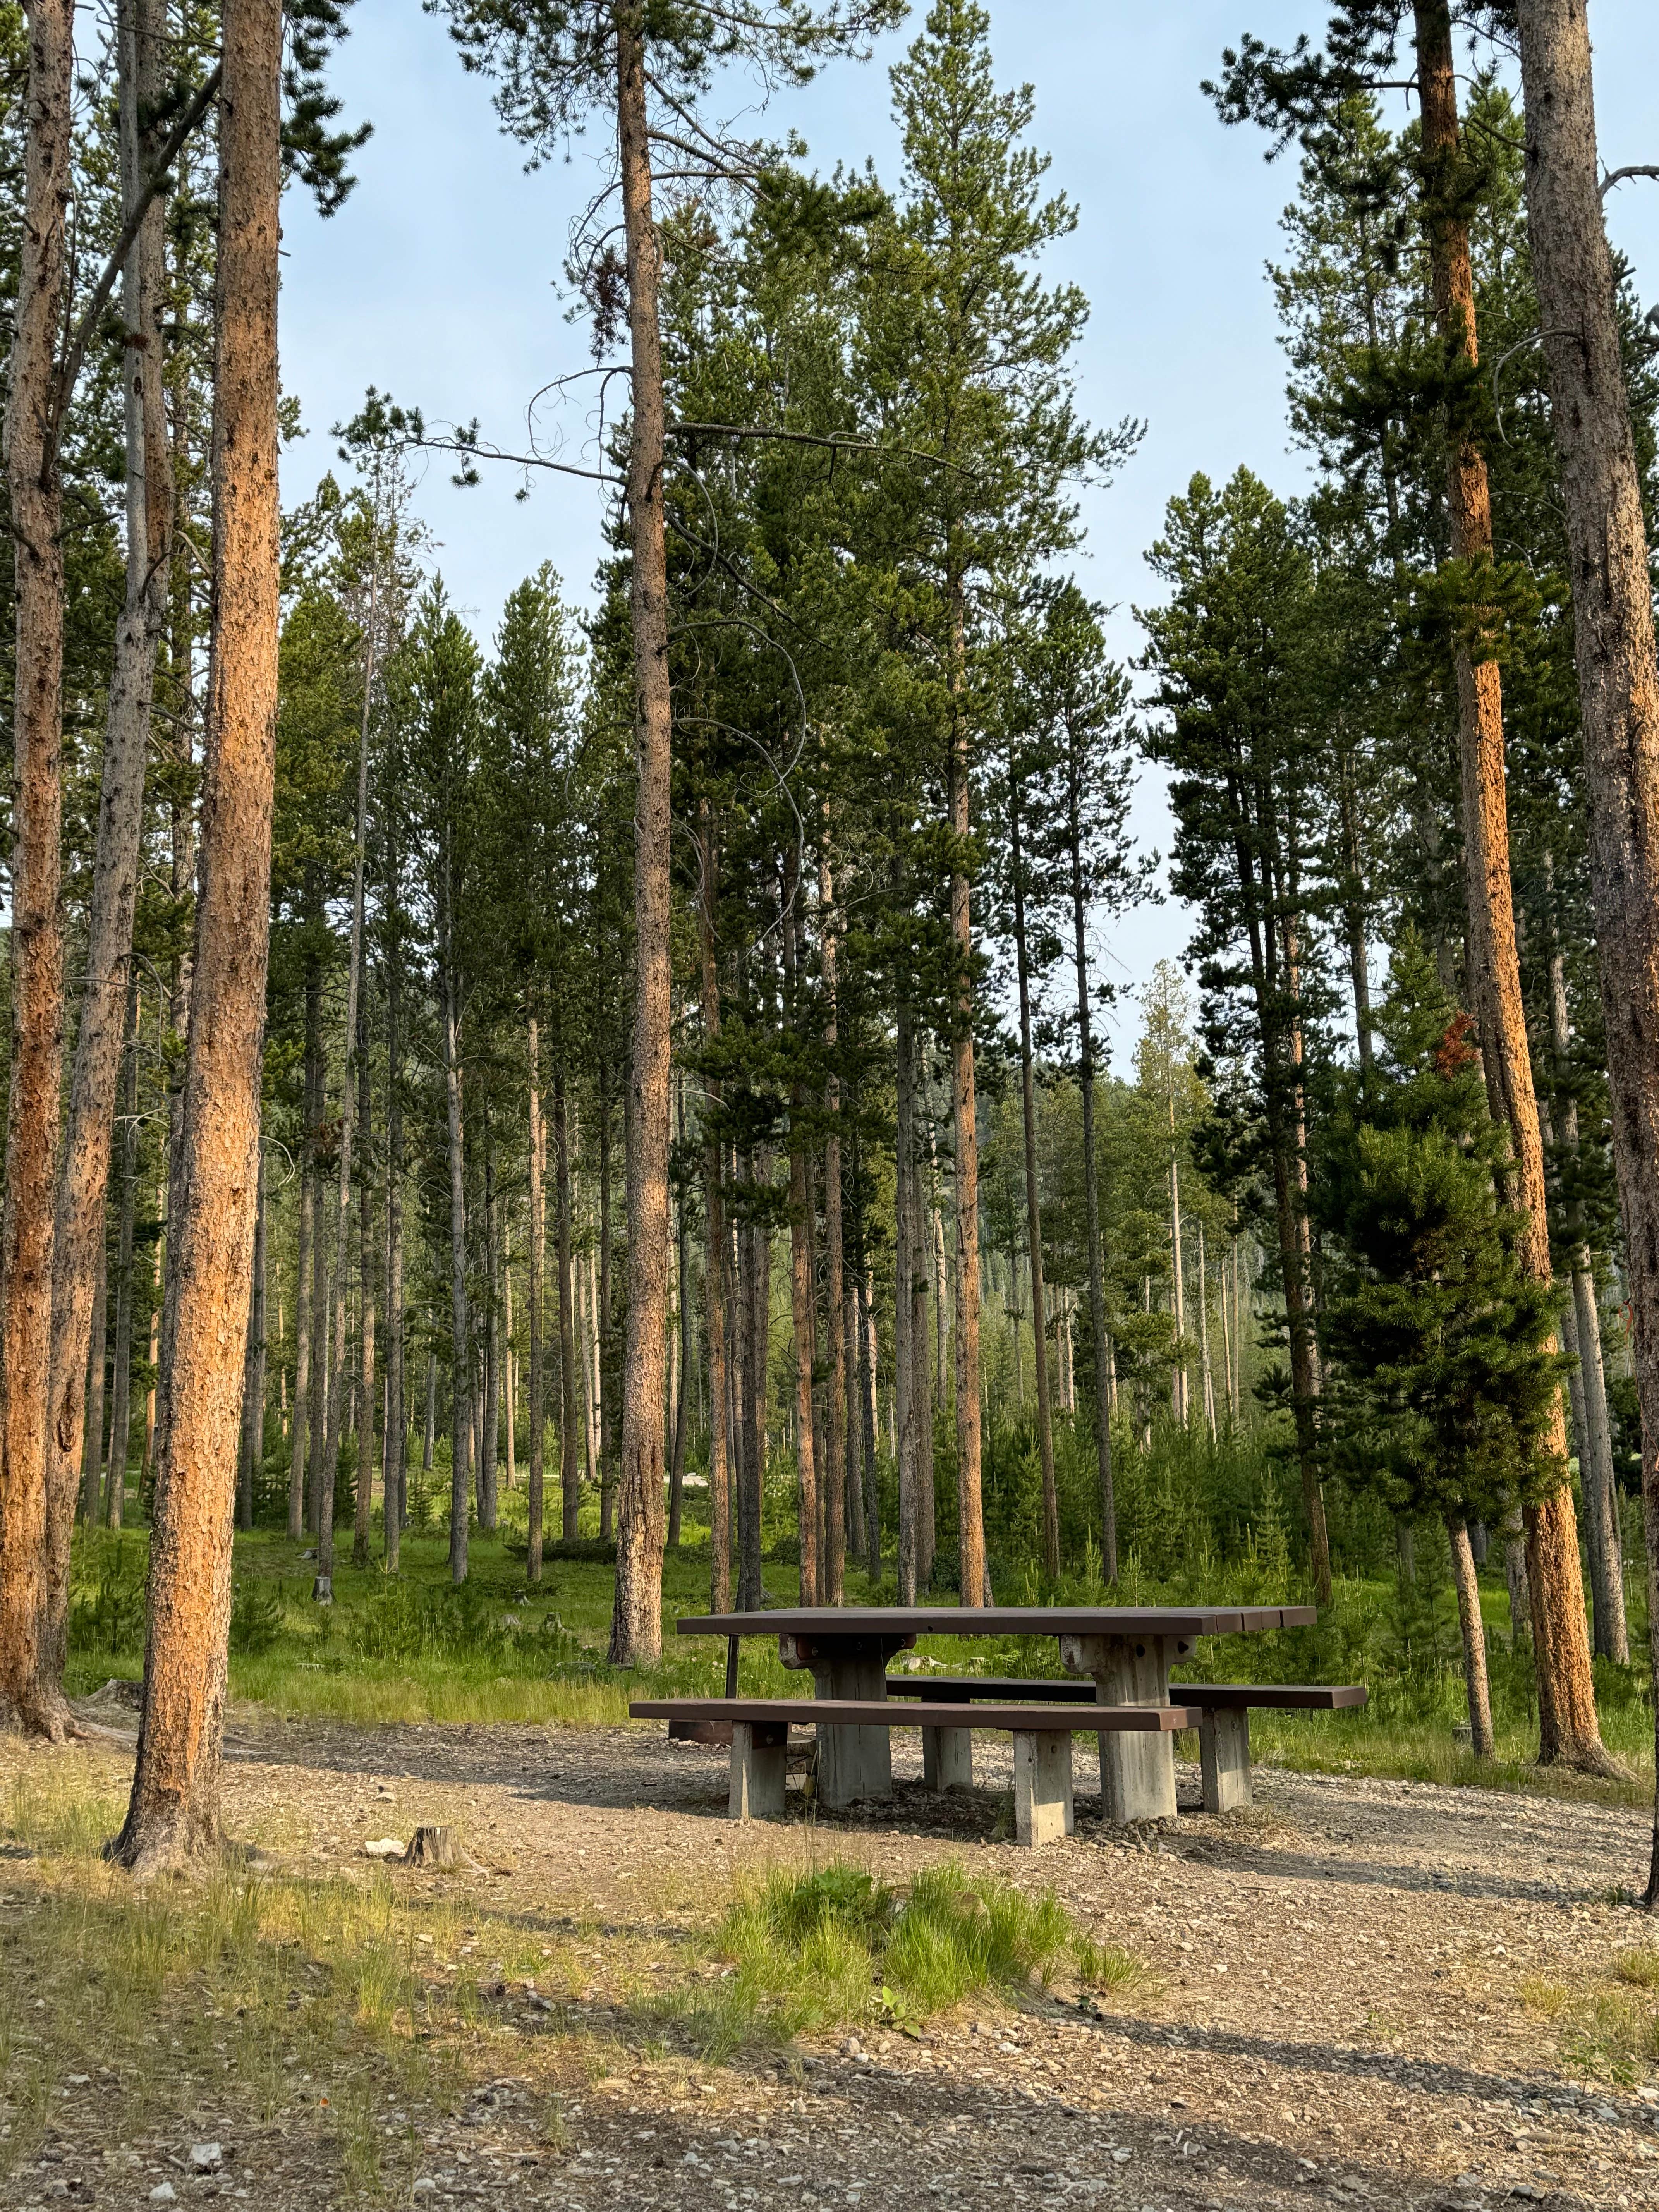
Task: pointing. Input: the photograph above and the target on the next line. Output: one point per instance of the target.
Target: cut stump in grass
(434, 1847)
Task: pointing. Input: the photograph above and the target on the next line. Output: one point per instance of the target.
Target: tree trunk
(1569, 1728)
(803, 1307)
(460, 1363)
(253, 1369)
(1033, 1201)
(395, 1457)
(311, 1111)
(570, 1482)
(1092, 1175)
(1475, 1639)
(833, 1574)
(174, 1815)
(637, 1622)
(83, 1168)
(30, 1693)
(604, 1318)
(755, 1318)
(1205, 1373)
(509, 1369)
(92, 1447)
(364, 1496)
(120, 1411)
(682, 1395)
(909, 1320)
(717, 1239)
(490, 1432)
(538, 1150)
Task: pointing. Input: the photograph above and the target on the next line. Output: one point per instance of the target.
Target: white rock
(206, 2158)
(425, 2186)
(164, 2193)
(384, 1847)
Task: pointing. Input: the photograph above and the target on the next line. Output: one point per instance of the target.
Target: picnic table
(1128, 1650)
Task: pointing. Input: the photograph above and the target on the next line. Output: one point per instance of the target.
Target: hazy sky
(439, 280)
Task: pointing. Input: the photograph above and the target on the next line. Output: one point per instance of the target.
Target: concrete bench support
(853, 1763)
(947, 1757)
(1223, 1750)
(1137, 1772)
(760, 1763)
(1042, 1788)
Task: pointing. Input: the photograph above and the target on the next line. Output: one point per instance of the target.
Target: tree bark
(682, 1397)
(1569, 1728)
(636, 1621)
(1091, 1166)
(833, 1574)
(92, 1447)
(120, 1410)
(490, 1437)
(253, 1369)
(460, 1363)
(718, 1240)
(538, 1150)
(570, 1481)
(1614, 637)
(363, 1498)
(305, 1264)
(174, 1815)
(83, 1168)
(604, 1388)
(30, 1693)
(1033, 1198)
(395, 1455)
(1475, 1639)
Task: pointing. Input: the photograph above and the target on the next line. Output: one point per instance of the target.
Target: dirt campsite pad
(1363, 1992)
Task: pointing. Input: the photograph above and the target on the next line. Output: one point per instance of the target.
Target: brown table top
(828, 1620)
(856, 1712)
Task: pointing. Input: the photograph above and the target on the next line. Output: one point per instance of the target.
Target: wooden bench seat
(1042, 1729)
(1224, 1726)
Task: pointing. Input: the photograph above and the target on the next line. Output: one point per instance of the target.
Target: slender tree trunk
(1475, 1639)
(756, 1314)
(394, 1500)
(364, 1496)
(1091, 1172)
(1178, 1278)
(1205, 1374)
(718, 1241)
(461, 1365)
(804, 1314)
(833, 1570)
(1353, 908)
(84, 1167)
(570, 1485)
(510, 1369)
(173, 1813)
(490, 1434)
(253, 1369)
(1614, 637)
(30, 1692)
(604, 1317)
(1033, 1201)
(534, 1411)
(682, 1397)
(120, 1411)
(305, 1265)
(910, 1324)
(970, 1518)
(636, 1621)
(92, 1447)
(1569, 1728)
(866, 1319)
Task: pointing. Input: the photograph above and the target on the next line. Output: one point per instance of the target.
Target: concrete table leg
(1223, 1750)
(1042, 1787)
(947, 1757)
(760, 1764)
(853, 1763)
(1137, 1772)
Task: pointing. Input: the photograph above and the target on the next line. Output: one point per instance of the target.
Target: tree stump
(433, 1847)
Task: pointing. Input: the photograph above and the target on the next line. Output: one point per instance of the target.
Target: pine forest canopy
(641, 1078)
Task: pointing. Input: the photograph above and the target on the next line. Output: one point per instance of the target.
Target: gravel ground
(1343, 2004)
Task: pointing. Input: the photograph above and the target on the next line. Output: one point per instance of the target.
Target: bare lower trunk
(835, 1469)
(1034, 1209)
(533, 1411)
(1570, 1731)
(684, 1381)
(84, 1171)
(120, 1410)
(30, 1692)
(1475, 1639)
(970, 1519)
(395, 1457)
(173, 1813)
(489, 1428)
(804, 1315)
(909, 1323)
(1090, 1169)
(305, 1263)
(92, 1448)
(570, 1482)
(363, 1498)
(461, 1411)
(253, 1371)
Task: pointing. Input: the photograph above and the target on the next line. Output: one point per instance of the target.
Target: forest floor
(1364, 1990)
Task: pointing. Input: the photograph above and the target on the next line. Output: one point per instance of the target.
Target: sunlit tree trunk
(30, 1693)
(534, 1411)
(1090, 1169)
(253, 1372)
(571, 1483)
(834, 1564)
(121, 1408)
(1614, 638)
(173, 1813)
(1033, 1200)
(1475, 1639)
(1570, 1731)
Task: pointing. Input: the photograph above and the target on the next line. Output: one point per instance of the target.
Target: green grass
(832, 1948)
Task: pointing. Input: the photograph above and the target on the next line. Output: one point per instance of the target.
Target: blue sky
(439, 280)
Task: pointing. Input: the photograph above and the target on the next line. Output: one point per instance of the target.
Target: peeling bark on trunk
(1570, 1731)
(30, 1693)
(174, 1815)
(636, 1621)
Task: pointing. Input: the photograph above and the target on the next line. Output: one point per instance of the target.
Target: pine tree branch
(1635, 169)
